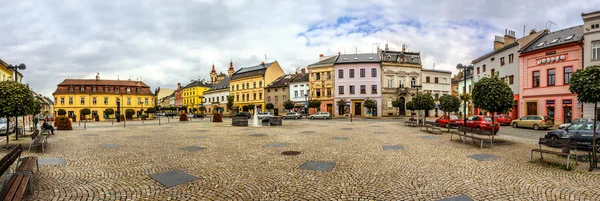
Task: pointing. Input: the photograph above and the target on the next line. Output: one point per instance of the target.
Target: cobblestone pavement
(235, 164)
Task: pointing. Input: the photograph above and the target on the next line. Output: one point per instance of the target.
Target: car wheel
(536, 127)
(312, 117)
(295, 117)
(477, 130)
(515, 125)
(324, 117)
(554, 137)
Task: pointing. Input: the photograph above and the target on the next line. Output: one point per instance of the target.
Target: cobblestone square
(237, 166)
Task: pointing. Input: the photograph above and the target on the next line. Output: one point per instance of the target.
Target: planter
(239, 121)
(275, 121)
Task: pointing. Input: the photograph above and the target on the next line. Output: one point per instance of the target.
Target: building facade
(5, 74)
(299, 90)
(247, 85)
(277, 92)
(321, 83)
(546, 68)
(591, 52)
(358, 78)
(465, 86)
(401, 76)
(72, 95)
(437, 83)
(193, 94)
(216, 97)
(178, 96)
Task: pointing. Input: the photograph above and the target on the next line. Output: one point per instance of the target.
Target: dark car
(198, 116)
(584, 135)
(567, 132)
(242, 114)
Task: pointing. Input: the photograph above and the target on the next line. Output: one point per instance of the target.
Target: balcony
(397, 90)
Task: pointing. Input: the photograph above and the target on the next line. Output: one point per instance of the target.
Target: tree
(410, 105)
(85, 111)
(251, 106)
(183, 108)
(585, 84)
(370, 104)
(423, 101)
(37, 108)
(449, 103)
(109, 111)
(341, 105)
(288, 105)
(314, 104)
(16, 100)
(494, 95)
(61, 112)
(129, 113)
(397, 104)
(269, 106)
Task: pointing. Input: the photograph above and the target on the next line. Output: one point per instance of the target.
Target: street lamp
(159, 113)
(306, 106)
(465, 69)
(16, 69)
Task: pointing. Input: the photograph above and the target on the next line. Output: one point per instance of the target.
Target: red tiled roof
(88, 84)
(92, 82)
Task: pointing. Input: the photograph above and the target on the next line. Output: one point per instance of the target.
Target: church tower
(213, 74)
(230, 71)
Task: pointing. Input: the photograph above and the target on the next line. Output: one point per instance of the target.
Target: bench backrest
(34, 135)
(10, 158)
(558, 143)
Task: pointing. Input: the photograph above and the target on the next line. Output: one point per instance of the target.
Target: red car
(444, 120)
(482, 122)
(503, 119)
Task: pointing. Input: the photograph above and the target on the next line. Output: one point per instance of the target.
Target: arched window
(413, 82)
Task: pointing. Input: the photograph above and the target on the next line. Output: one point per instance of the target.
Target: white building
(217, 96)
(591, 52)
(437, 83)
(299, 90)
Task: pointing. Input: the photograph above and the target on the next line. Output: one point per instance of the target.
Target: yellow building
(72, 95)
(5, 74)
(247, 84)
(193, 94)
(322, 80)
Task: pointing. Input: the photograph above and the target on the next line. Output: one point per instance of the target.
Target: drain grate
(290, 153)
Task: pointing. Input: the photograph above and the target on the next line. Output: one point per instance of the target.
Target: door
(330, 108)
(276, 112)
(402, 110)
(532, 108)
(568, 114)
(551, 112)
(357, 109)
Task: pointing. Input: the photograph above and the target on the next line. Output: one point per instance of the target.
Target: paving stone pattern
(392, 147)
(239, 167)
(110, 145)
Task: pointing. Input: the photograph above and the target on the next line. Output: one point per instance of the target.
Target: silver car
(292, 115)
(320, 115)
(3, 128)
(575, 121)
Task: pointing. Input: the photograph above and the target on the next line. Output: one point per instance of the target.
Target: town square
(299, 100)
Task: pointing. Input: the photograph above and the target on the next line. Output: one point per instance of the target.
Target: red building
(546, 68)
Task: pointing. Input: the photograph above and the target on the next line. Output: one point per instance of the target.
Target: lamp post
(465, 69)
(306, 106)
(16, 69)
(159, 113)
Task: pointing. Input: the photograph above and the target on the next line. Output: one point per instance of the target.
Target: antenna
(265, 57)
(550, 23)
(433, 65)
(524, 30)
(355, 50)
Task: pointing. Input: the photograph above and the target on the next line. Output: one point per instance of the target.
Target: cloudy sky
(166, 42)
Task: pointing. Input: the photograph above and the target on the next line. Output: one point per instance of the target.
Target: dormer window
(139, 90)
(70, 88)
(105, 89)
(128, 90)
(94, 88)
(570, 37)
(542, 43)
(82, 88)
(117, 89)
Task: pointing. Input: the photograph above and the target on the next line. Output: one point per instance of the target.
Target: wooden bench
(44, 131)
(433, 126)
(473, 137)
(20, 181)
(563, 144)
(38, 140)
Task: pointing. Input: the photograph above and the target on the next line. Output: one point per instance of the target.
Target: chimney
(262, 63)
(321, 57)
(509, 37)
(403, 47)
(533, 31)
(97, 76)
(339, 53)
(386, 47)
(303, 70)
(498, 43)
(178, 86)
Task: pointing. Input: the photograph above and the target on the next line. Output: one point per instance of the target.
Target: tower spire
(213, 68)
(231, 70)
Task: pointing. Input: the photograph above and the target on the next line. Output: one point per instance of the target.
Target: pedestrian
(45, 125)
(35, 122)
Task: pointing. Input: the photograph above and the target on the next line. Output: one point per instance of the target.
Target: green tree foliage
(398, 104)
(229, 102)
(86, 111)
(586, 84)
(62, 112)
(449, 103)
(251, 106)
(16, 99)
(269, 106)
(314, 104)
(151, 110)
(129, 113)
(288, 105)
(423, 101)
(465, 97)
(109, 111)
(410, 105)
(341, 102)
(370, 104)
(36, 107)
(183, 108)
(494, 95)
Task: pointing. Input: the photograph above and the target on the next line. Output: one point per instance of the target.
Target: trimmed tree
(398, 105)
(109, 112)
(151, 110)
(84, 112)
(269, 106)
(370, 104)
(129, 113)
(449, 103)
(423, 101)
(410, 105)
(288, 105)
(341, 105)
(16, 99)
(61, 112)
(314, 104)
(229, 103)
(585, 84)
(493, 95)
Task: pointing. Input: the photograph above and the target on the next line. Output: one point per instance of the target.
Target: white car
(320, 115)
(575, 121)
(3, 126)
(264, 114)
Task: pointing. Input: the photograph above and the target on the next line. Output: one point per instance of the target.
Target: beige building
(401, 77)
(276, 93)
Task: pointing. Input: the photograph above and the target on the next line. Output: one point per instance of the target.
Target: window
(318, 76)
(484, 68)
(436, 96)
(329, 75)
(254, 85)
(82, 88)
(351, 73)
(146, 101)
(302, 93)
(237, 87)
(139, 101)
(541, 44)
(62, 100)
(374, 89)
(477, 70)
(268, 99)
(554, 40)
(283, 89)
(352, 89)
(536, 78)
(340, 73)
(128, 90)
(362, 72)
(502, 61)
(363, 89)
(389, 85)
(247, 96)
(595, 50)
(427, 79)
(105, 89)
(413, 82)
(295, 94)
(118, 100)
(237, 97)
(328, 91)
(94, 100)
(259, 83)
(373, 72)
(70, 88)
(276, 99)
(82, 101)
(138, 90)
(117, 89)
(70, 100)
(128, 101)
(247, 85)
(94, 88)
(340, 89)
(276, 90)
(568, 72)
(511, 58)
(283, 98)
(493, 71)
(436, 80)
(551, 77)
(570, 37)
(445, 81)
(318, 92)
(511, 79)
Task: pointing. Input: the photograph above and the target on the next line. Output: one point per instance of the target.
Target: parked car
(503, 119)
(243, 114)
(320, 115)
(198, 116)
(567, 132)
(533, 121)
(575, 121)
(3, 127)
(482, 122)
(190, 115)
(292, 115)
(264, 114)
(444, 120)
(584, 136)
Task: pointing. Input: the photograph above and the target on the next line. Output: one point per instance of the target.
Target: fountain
(255, 123)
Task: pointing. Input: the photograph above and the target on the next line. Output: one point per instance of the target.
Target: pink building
(357, 78)
(546, 68)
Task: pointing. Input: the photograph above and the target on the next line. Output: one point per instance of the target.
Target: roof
(396, 57)
(327, 61)
(506, 47)
(556, 38)
(302, 77)
(49, 100)
(94, 82)
(197, 83)
(596, 12)
(223, 84)
(282, 81)
(250, 71)
(524, 41)
(434, 70)
(357, 58)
